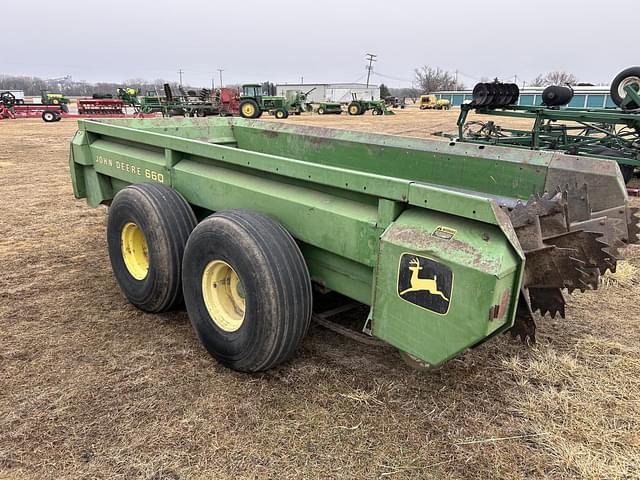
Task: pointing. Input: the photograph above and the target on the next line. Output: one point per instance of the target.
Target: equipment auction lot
(91, 387)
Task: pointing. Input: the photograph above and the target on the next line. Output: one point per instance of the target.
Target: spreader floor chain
(567, 246)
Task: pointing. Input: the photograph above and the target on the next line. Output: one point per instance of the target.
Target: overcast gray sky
(324, 41)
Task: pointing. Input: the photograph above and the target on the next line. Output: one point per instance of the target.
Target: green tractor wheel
(320, 111)
(354, 108)
(281, 113)
(249, 109)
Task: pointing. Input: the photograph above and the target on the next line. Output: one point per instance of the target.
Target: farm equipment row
(11, 108)
(449, 243)
(55, 106)
(249, 102)
(608, 133)
(204, 103)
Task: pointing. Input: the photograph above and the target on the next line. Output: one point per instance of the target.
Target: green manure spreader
(448, 244)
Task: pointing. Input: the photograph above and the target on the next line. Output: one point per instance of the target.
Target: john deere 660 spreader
(448, 243)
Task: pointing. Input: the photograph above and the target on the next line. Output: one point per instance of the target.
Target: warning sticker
(445, 233)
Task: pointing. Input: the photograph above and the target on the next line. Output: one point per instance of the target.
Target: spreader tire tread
(275, 280)
(166, 220)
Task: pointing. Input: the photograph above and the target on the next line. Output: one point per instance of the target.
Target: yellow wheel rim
(134, 251)
(248, 109)
(223, 295)
(353, 109)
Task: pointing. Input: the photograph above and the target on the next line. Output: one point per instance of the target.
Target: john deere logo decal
(425, 283)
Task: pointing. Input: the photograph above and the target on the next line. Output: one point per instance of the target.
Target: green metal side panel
(75, 166)
(339, 225)
(86, 181)
(339, 274)
(129, 163)
(505, 172)
(475, 269)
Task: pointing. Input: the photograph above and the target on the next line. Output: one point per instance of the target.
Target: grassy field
(90, 387)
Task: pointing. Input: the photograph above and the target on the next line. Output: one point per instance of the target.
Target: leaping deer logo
(422, 284)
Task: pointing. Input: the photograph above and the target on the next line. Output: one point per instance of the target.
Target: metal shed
(331, 92)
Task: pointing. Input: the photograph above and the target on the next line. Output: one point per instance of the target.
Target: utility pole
(180, 72)
(302, 80)
(220, 70)
(456, 81)
(371, 58)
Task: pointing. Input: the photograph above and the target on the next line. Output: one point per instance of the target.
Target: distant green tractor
(53, 98)
(358, 107)
(253, 102)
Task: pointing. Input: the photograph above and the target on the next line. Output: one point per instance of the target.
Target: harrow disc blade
(589, 248)
(566, 245)
(547, 300)
(524, 325)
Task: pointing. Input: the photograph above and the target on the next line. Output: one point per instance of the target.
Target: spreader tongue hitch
(566, 245)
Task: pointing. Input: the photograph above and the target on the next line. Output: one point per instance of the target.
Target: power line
(372, 58)
(391, 77)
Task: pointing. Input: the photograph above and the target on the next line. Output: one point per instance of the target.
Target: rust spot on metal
(419, 240)
(504, 304)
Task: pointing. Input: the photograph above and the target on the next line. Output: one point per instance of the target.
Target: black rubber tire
(257, 111)
(275, 280)
(58, 117)
(615, 96)
(320, 111)
(627, 172)
(281, 113)
(355, 106)
(49, 116)
(166, 220)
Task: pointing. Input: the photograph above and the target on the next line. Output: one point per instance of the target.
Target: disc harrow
(566, 246)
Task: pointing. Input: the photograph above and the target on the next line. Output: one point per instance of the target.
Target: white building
(331, 92)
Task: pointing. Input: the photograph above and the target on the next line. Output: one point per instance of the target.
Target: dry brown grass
(92, 388)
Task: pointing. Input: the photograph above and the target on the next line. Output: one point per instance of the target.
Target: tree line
(428, 79)
(69, 87)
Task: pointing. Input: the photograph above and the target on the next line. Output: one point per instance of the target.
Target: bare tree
(557, 77)
(67, 86)
(560, 77)
(430, 79)
(538, 81)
